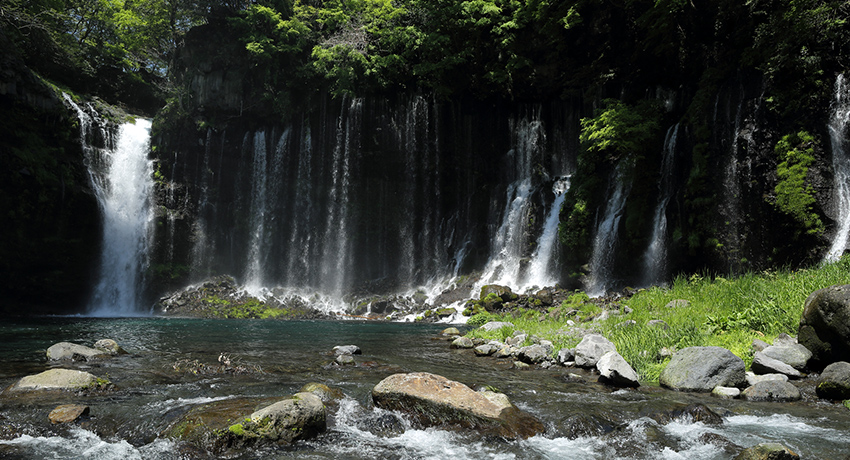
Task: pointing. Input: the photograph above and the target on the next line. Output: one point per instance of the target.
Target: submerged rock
(68, 413)
(300, 417)
(386, 425)
(324, 392)
(691, 413)
(434, 400)
(59, 379)
(463, 343)
(110, 346)
(702, 369)
(75, 352)
(767, 451)
(586, 425)
(834, 382)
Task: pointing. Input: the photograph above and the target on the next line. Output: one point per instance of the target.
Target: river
(149, 394)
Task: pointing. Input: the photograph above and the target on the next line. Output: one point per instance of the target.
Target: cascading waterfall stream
(605, 241)
(540, 272)
(122, 180)
(655, 258)
(254, 270)
(838, 135)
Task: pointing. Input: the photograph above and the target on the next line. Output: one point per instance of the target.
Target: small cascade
(655, 258)
(730, 209)
(838, 136)
(122, 178)
(259, 199)
(540, 270)
(509, 242)
(605, 241)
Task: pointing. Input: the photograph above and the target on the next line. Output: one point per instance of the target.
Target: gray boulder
(763, 364)
(767, 451)
(759, 345)
(834, 382)
(534, 354)
(565, 355)
(792, 354)
(591, 348)
(616, 371)
(496, 325)
(486, 350)
(772, 390)
(58, 379)
(702, 369)
(433, 400)
(825, 325)
(74, 352)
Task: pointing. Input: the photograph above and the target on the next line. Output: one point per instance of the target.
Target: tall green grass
(729, 313)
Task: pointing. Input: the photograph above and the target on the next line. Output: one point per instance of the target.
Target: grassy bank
(730, 313)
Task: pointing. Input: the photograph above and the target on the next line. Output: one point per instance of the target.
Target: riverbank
(697, 311)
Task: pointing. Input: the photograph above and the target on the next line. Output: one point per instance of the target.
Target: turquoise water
(149, 394)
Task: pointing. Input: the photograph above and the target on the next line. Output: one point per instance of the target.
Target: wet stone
(68, 413)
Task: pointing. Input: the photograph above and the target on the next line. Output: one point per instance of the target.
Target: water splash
(540, 272)
(838, 136)
(124, 197)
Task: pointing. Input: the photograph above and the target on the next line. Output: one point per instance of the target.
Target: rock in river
(702, 369)
(58, 379)
(591, 348)
(834, 382)
(434, 400)
(616, 371)
(72, 351)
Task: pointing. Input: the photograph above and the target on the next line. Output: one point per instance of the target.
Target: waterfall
(122, 180)
(605, 241)
(539, 272)
(655, 258)
(259, 178)
(838, 136)
(509, 242)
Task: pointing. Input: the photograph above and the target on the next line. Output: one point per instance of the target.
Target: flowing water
(655, 258)
(605, 242)
(150, 394)
(122, 178)
(838, 135)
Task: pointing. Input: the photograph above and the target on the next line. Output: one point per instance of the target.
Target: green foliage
(794, 195)
(726, 313)
(479, 319)
(619, 129)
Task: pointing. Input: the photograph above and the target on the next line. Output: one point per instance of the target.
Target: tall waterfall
(655, 258)
(509, 241)
(122, 177)
(838, 135)
(605, 242)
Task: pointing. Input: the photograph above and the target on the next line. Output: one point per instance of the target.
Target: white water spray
(123, 191)
(539, 272)
(838, 136)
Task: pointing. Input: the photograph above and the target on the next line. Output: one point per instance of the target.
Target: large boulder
(834, 382)
(434, 400)
(58, 379)
(825, 326)
(702, 369)
(503, 292)
(772, 390)
(535, 354)
(75, 352)
(302, 416)
(591, 348)
(616, 371)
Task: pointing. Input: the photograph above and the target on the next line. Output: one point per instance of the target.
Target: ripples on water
(149, 395)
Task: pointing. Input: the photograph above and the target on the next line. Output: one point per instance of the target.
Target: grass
(729, 313)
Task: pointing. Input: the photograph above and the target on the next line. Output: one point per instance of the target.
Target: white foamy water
(83, 444)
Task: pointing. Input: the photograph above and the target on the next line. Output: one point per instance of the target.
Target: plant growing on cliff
(794, 194)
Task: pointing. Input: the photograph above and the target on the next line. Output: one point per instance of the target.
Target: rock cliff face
(52, 222)
(401, 190)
